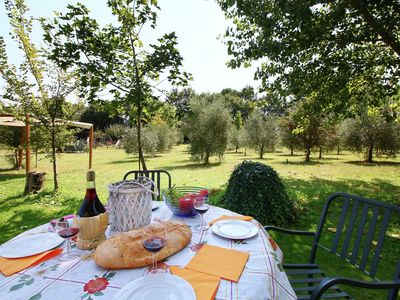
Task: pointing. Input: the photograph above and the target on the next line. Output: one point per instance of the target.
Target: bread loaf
(126, 250)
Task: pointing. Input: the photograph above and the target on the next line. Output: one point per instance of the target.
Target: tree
(261, 132)
(309, 46)
(49, 104)
(207, 127)
(149, 141)
(100, 118)
(286, 127)
(180, 100)
(370, 132)
(11, 139)
(113, 58)
(238, 101)
(235, 131)
(115, 132)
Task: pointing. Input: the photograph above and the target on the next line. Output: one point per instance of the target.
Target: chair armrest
(328, 282)
(289, 231)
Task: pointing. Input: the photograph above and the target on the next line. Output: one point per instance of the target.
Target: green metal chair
(154, 175)
(357, 238)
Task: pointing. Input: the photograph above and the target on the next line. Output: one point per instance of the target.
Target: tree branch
(388, 37)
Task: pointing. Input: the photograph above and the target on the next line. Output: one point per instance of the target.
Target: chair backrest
(357, 232)
(154, 175)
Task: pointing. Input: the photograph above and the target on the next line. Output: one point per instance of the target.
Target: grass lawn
(308, 184)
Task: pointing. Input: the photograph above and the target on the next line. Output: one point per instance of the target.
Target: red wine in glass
(154, 244)
(201, 209)
(68, 232)
(153, 241)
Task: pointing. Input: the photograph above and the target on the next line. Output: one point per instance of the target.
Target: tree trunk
(207, 159)
(261, 152)
(54, 157)
(308, 152)
(245, 151)
(320, 152)
(291, 151)
(338, 150)
(369, 154)
(139, 135)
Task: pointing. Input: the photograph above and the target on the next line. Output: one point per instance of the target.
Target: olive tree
(207, 127)
(371, 132)
(261, 132)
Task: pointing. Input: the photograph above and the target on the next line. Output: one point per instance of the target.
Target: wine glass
(66, 232)
(154, 241)
(201, 206)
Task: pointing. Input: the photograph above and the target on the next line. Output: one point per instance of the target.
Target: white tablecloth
(262, 278)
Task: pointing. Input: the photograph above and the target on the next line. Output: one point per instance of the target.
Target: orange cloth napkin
(9, 266)
(222, 262)
(226, 217)
(204, 285)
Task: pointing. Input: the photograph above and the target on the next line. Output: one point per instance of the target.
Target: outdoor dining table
(262, 277)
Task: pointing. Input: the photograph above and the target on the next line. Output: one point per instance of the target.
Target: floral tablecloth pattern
(263, 277)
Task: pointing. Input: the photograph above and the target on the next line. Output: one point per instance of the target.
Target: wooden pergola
(10, 120)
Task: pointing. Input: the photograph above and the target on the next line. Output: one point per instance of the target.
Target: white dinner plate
(235, 229)
(156, 204)
(30, 245)
(157, 286)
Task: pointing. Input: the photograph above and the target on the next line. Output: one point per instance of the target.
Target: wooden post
(90, 147)
(21, 149)
(28, 142)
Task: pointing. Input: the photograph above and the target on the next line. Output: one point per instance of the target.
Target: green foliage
(155, 138)
(180, 100)
(207, 127)
(371, 133)
(100, 118)
(255, 189)
(115, 132)
(149, 141)
(308, 46)
(115, 58)
(287, 137)
(261, 132)
(37, 87)
(234, 138)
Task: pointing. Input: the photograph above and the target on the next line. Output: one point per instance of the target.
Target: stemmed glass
(201, 206)
(66, 232)
(154, 241)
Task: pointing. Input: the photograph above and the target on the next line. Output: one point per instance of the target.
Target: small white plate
(235, 229)
(30, 245)
(156, 204)
(157, 286)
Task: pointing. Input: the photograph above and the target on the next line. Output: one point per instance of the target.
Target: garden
(325, 118)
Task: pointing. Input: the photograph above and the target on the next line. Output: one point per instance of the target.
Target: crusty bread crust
(126, 250)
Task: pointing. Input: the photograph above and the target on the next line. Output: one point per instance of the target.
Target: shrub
(255, 189)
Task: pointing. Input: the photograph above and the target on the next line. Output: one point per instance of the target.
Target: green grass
(308, 184)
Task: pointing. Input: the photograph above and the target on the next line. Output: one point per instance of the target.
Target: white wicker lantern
(129, 203)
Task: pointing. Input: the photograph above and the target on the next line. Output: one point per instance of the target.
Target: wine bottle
(91, 205)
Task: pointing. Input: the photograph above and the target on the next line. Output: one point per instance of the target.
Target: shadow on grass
(33, 210)
(123, 161)
(373, 164)
(288, 154)
(5, 177)
(192, 166)
(303, 163)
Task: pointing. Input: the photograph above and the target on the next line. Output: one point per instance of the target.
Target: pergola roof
(10, 120)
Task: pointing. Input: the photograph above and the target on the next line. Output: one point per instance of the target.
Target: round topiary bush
(256, 190)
